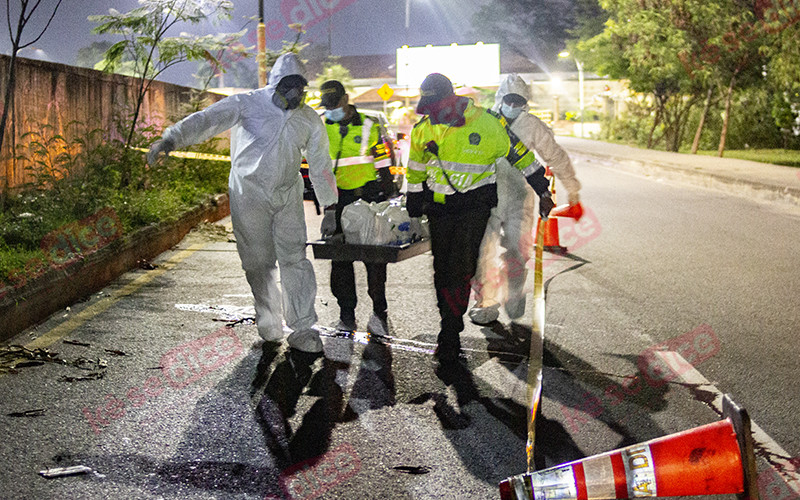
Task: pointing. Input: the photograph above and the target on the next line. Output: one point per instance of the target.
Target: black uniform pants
(455, 244)
(343, 277)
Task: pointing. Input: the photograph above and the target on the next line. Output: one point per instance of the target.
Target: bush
(72, 181)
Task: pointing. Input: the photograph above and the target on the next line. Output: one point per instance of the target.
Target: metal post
(580, 91)
(261, 57)
(408, 11)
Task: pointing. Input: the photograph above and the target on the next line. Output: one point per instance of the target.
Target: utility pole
(261, 58)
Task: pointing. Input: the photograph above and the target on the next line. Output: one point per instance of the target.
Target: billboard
(473, 65)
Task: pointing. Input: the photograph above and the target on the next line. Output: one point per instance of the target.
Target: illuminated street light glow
(579, 65)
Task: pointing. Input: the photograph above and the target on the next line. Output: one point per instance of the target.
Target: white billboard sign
(474, 65)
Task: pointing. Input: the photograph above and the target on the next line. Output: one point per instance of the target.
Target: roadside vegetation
(73, 180)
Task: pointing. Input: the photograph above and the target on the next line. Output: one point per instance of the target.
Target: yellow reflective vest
(357, 150)
(466, 154)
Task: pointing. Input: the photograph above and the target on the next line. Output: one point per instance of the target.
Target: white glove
(328, 226)
(158, 147)
(573, 199)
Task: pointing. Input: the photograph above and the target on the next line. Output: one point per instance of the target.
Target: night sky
(357, 27)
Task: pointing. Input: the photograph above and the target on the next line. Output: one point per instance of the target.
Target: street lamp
(579, 65)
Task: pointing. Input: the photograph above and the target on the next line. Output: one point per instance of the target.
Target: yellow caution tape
(193, 155)
(537, 344)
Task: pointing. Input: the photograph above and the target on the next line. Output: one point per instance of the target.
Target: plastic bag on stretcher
(383, 223)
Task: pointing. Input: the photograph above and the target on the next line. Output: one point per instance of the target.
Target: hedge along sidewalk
(59, 286)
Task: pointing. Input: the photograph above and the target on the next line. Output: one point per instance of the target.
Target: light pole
(579, 65)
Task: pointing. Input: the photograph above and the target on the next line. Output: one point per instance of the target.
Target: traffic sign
(385, 91)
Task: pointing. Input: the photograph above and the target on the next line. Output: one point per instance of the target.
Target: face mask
(510, 112)
(288, 97)
(335, 115)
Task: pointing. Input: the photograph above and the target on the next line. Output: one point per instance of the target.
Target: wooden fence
(55, 98)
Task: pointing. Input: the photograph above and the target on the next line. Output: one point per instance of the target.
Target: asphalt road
(189, 408)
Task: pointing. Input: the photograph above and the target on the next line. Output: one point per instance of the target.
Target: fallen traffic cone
(713, 459)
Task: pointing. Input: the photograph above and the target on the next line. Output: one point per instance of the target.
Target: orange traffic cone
(551, 241)
(713, 459)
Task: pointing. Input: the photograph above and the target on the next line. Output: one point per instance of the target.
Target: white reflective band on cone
(639, 471)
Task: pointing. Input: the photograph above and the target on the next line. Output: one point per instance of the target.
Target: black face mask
(289, 93)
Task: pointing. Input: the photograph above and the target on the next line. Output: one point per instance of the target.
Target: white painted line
(780, 457)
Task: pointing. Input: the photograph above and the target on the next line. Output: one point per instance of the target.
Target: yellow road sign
(385, 92)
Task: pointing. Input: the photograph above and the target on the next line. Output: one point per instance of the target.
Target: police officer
(361, 163)
(451, 178)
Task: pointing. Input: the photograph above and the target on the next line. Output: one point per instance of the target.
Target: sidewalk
(743, 177)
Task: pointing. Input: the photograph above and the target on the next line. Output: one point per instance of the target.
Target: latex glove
(545, 205)
(574, 199)
(328, 226)
(414, 204)
(160, 146)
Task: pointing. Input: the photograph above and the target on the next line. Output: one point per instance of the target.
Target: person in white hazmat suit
(271, 130)
(511, 225)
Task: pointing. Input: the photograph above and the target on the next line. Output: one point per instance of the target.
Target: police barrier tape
(192, 155)
(395, 170)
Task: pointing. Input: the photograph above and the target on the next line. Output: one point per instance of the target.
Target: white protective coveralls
(266, 197)
(512, 221)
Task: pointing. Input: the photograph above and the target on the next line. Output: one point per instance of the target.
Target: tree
(783, 69)
(535, 29)
(89, 56)
(641, 43)
(26, 12)
(146, 51)
(334, 71)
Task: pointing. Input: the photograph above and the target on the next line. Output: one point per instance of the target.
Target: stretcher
(335, 248)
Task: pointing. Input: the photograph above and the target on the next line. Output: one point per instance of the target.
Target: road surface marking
(778, 457)
(57, 333)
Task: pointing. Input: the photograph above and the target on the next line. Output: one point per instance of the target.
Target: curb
(726, 184)
(56, 289)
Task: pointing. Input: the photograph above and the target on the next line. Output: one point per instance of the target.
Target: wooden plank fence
(74, 100)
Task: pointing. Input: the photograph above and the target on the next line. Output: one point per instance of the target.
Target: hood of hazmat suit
(512, 84)
(267, 143)
(537, 136)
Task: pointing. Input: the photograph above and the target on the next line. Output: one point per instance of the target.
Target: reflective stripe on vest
(356, 166)
(467, 153)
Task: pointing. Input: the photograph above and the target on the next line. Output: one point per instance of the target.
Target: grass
(91, 183)
(786, 157)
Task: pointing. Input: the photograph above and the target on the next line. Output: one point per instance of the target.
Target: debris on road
(65, 471)
(412, 469)
(27, 413)
(77, 342)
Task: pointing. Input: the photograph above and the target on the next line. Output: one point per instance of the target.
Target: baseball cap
(332, 92)
(435, 87)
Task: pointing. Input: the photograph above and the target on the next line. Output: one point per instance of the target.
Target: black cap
(434, 88)
(332, 92)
